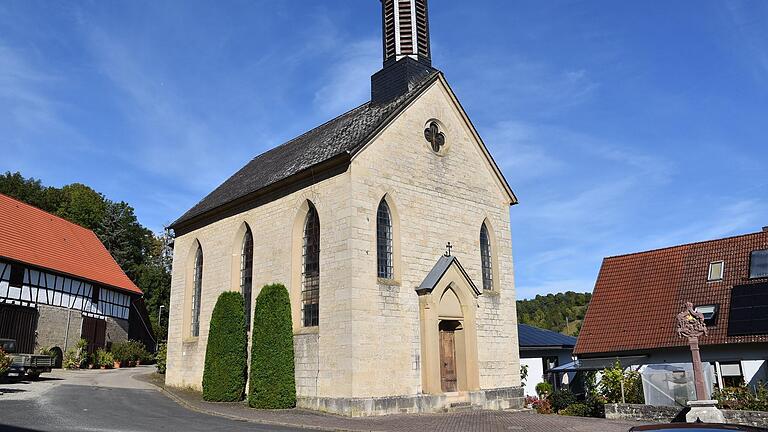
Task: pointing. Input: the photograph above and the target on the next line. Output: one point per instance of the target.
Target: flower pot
(103, 366)
(138, 362)
(116, 364)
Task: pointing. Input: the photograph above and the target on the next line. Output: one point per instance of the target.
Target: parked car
(29, 365)
(697, 427)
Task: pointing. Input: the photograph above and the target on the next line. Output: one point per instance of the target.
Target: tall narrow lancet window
(384, 241)
(246, 273)
(197, 294)
(310, 274)
(485, 257)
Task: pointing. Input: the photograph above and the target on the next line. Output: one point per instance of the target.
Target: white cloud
(348, 81)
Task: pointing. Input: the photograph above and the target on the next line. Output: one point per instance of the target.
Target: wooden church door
(448, 360)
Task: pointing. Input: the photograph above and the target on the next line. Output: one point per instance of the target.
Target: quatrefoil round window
(434, 136)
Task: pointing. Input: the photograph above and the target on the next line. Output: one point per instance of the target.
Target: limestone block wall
(52, 327)
(321, 368)
(52, 324)
(368, 341)
(436, 199)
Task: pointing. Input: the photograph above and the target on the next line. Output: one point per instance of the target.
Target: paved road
(104, 401)
(116, 401)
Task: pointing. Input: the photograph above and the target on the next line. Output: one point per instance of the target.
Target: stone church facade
(354, 218)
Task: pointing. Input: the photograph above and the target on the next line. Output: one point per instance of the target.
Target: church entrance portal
(448, 372)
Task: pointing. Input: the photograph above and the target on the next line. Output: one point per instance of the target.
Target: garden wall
(665, 414)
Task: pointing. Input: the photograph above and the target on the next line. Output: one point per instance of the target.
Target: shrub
(543, 389)
(577, 410)
(121, 351)
(137, 351)
(596, 404)
(273, 384)
(227, 352)
(542, 406)
(160, 356)
(561, 399)
(5, 362)
(611, 383)
(76, 357)
(743, 397)
(523, 374)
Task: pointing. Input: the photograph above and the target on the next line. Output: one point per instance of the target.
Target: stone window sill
(307, 330)
(388, 282)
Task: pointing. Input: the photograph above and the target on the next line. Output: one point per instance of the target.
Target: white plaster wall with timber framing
(49, 292)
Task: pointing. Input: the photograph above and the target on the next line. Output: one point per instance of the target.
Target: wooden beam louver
(389, 30)
(422, 28)
(405, 30)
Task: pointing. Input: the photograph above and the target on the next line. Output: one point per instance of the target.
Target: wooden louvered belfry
(406, 30)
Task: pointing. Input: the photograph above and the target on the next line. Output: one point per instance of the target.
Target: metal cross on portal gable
(448, 248)
(434, 136)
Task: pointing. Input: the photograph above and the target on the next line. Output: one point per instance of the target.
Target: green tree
(272, 384)
(227, 352)
(82, 205)
(616, 381)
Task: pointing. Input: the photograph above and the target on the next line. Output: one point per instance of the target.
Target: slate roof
(441, 266)
(31, 236)
(533, 337)
(638, 296)
(346, 134)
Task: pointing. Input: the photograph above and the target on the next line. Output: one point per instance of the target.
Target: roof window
(716, 271)
(709, 312)
(758, 264)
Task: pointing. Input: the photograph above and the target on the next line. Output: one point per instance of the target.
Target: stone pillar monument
(690, 325)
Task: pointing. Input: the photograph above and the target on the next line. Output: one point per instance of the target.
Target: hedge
(225, 358)
(272, 384)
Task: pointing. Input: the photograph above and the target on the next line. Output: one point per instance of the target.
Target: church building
(390, 227)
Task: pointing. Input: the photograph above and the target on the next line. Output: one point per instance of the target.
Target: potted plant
(120, 354)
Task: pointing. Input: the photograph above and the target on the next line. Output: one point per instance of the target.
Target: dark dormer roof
(437, 272)
(339, 138)
(530, 337)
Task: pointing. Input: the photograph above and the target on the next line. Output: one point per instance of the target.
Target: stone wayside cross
(690, 324)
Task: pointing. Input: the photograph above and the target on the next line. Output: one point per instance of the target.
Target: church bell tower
(407, 55)
(406, 30)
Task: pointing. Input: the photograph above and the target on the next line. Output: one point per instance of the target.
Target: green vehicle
(25, 365)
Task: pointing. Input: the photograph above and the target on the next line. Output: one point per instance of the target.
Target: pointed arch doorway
(447, 303)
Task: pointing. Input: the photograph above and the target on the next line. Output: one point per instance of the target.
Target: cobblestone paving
(474, 421)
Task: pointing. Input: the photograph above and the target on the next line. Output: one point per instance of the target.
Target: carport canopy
(597, 364)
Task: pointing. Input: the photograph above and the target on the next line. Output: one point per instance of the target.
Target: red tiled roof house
(58, 283)
(637, 296)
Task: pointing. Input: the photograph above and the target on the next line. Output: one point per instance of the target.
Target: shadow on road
(7, 428)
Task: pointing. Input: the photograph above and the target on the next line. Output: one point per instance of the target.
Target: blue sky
(621, 126)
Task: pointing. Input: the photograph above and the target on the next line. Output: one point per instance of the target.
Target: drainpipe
(66, 332)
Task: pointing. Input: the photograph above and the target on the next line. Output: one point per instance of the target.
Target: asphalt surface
(104, 401)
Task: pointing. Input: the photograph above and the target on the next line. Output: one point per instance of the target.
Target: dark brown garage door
(94, 331)
(20, 323)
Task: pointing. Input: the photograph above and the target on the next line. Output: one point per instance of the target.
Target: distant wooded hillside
(561, 312)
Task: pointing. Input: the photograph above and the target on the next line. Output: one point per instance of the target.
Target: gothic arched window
(485, 257)
(384, 241)
(246, 273)
(197, 291)
(310, 274)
